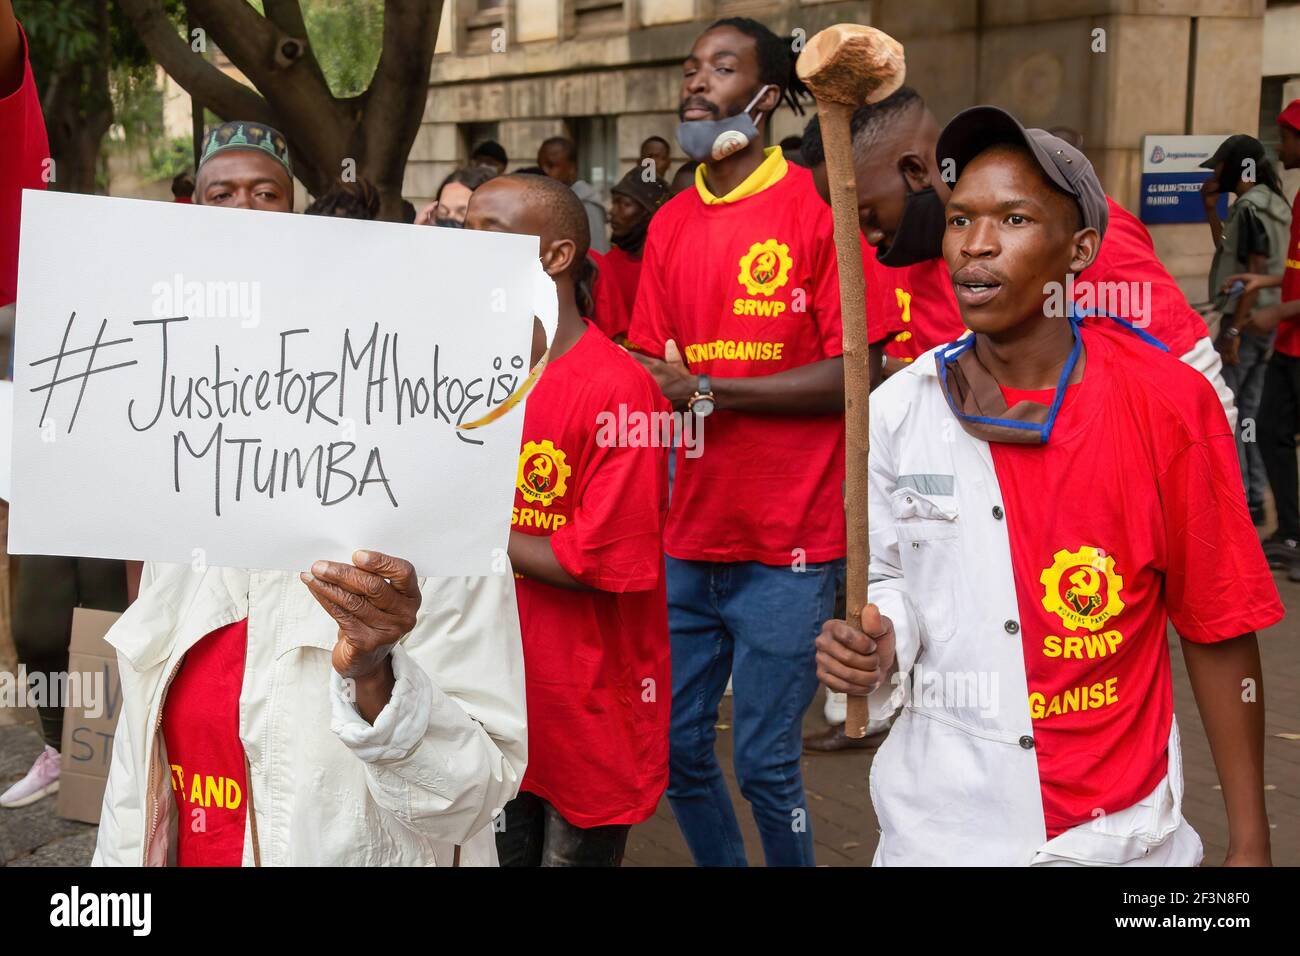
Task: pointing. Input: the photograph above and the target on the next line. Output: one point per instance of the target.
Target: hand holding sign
(374, 601)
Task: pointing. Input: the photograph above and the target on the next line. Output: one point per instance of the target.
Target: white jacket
(956, 782)
(325, 787)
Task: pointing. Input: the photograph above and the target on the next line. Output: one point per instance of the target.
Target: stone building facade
(607, 73)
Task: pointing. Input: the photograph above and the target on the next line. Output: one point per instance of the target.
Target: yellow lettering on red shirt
(1086, 697)
(734, 350)
(1090, 646)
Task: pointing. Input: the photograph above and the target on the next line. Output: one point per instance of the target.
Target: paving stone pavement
(844, 827)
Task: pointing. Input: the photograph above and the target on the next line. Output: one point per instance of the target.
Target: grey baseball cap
(974, 130)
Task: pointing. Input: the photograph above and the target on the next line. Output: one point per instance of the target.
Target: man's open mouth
(976, 288)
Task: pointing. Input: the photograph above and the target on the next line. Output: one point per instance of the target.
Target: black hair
(814, 153)
(569, 147)
(868, 123)
(872, 121)
(183, 185)
(775, 59)
(492, 150)
(354, 200)
(408, 212)
(657, 139)
(471, 177)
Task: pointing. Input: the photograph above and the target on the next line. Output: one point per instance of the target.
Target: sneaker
(1282, 553)
(41, 781)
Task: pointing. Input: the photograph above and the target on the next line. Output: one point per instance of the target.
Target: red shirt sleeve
(1217, 582)
(23, 151)
(614, 541)
(826, 293)
(650, 327)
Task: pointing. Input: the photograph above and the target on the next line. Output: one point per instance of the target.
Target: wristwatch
(702, 403)
(1231, 331)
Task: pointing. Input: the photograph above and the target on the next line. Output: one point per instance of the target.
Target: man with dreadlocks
(738, 314)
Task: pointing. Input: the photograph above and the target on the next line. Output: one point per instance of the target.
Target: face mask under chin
(714, 140)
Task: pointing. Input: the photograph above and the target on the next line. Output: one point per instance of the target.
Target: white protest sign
(224, 387)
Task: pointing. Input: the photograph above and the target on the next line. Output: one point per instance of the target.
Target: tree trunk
(78, 112)
(374, 130)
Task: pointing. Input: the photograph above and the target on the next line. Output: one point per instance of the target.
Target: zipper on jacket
(252, 815)
(153, 761)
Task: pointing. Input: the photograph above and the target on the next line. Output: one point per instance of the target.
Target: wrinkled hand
(675, 380)
(852, 662)
(374, 601)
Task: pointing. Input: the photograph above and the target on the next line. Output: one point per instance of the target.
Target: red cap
(1291, 116)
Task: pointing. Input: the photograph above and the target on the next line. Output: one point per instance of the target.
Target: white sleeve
(448, 751)
(887, 588)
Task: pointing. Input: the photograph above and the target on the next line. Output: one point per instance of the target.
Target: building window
(597, 140)
(598, 16)
(1270, 104)
(480, 19)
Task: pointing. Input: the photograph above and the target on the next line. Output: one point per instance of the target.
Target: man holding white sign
(356, 716)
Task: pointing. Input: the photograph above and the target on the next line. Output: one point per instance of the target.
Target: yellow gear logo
(543, 473)
(1082, 588)
(765, 268)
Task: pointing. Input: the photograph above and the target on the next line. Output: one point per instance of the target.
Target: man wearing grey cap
(1045, 498)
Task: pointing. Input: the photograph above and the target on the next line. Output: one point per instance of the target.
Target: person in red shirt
(1279, 405)
(586, 544)
(635, 200)
(46, 588)
(738, 319)
(183, 188)
(1088, 497)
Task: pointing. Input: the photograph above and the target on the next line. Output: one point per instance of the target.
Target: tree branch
(287, 15)
(389, 122)
(295, 89)
(226, 97)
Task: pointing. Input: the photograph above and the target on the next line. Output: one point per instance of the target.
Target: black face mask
(448, 223)
(633, 241)
(920, 229)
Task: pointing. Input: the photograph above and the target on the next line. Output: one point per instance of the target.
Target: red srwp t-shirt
(1131, 516)
(918, 302)
(23, 152)
(1288, 333)
(746, 289)
(611, 312)
(200, 726)
(626, 273)
(1127, 280)
(593, 475)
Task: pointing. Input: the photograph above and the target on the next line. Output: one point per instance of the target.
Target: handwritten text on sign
(261, 390)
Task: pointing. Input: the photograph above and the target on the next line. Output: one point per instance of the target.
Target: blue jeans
(755, 623)
(1246, 380)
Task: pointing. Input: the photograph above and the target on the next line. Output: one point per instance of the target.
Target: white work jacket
(956, 782)
(325, 787)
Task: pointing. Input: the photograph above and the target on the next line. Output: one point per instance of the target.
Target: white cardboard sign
(248, 389)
